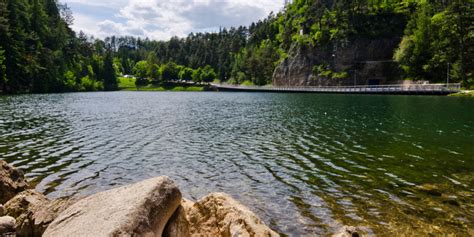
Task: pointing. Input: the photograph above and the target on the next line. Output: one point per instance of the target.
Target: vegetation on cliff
(40, 53)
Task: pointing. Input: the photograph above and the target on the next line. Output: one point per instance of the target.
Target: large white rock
(217, 214)
(140, 209)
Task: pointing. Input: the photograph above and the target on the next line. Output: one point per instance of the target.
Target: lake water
(305, 163)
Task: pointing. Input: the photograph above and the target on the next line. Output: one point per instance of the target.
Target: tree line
(39, 52)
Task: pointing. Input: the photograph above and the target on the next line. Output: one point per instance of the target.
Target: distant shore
(464, 93)
(128, 84)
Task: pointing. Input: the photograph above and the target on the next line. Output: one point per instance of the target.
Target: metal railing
(398, 88)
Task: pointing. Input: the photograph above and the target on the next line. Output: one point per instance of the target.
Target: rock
(217, 215)
(430, 189)
(347, 231)
(178, 225)
(370, 57)
(2, 210)
(12, 181)
(451, 199)
(34, 212)
(7, 225)
(141, 209)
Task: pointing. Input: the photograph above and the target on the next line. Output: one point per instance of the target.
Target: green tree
(186, 74)
(3, 75)
(140, 69)
(208, 74)
(110, 78)
(197, 75)
(141, 72)
(154, 73)
(169, 71)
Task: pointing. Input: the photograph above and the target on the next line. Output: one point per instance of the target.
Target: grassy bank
(466, 93)
(128, 84)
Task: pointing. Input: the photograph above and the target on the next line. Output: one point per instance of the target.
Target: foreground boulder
(140, 209)
(12, 181)
(216, 215)
(34, 212)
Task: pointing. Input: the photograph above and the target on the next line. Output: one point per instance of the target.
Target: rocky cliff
(362, 61)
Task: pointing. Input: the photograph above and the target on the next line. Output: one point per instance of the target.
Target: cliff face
(366, 61)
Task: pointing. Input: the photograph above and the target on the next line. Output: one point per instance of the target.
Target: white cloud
(160, 19)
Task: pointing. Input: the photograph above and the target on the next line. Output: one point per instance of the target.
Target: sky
(162, 19)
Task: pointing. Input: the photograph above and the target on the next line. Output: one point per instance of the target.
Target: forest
(40, 53)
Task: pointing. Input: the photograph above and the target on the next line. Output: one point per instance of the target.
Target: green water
(305, 163)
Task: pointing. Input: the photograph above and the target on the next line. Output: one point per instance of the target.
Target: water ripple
(307, 164)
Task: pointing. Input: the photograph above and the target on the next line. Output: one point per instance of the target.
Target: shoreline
(152, 207)
(463, 93)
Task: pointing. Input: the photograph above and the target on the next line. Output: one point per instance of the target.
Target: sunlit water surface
(306, 163)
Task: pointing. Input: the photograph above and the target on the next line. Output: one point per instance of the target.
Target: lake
(305, 163)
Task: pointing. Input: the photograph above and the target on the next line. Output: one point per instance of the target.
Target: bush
(247, 83)
(88, 84)
(70, 82)
(340, 75)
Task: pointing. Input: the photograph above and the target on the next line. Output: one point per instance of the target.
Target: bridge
(404, 89)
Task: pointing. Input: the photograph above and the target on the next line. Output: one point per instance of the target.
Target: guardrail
(388, 89)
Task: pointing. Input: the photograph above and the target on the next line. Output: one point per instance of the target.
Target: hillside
(375, 42)
(311, 42)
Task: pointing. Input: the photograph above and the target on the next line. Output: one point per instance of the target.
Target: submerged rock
(140, 209)
(216, 215)
(347, 231)
(430, 189)
(12, 181)
(34, 212)
(7, 226)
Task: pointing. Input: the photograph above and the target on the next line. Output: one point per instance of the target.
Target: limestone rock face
(12, 181)
(296, 70)
(33, 212)
(363, 59)
(140, 209)
(7, 225)
(217, 215)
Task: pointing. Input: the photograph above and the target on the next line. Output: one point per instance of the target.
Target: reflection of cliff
(361, 62)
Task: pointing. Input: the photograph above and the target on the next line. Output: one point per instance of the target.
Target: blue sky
(161, 19)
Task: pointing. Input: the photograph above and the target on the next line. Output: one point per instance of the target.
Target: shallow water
(305, 163)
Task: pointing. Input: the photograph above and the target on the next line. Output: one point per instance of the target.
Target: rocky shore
(152, 207)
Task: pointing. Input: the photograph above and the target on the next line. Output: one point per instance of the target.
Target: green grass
(161, 88)
(128, 84)
(466, 93)
(125, 83)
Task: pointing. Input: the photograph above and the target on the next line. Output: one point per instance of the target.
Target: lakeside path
(412, 89)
